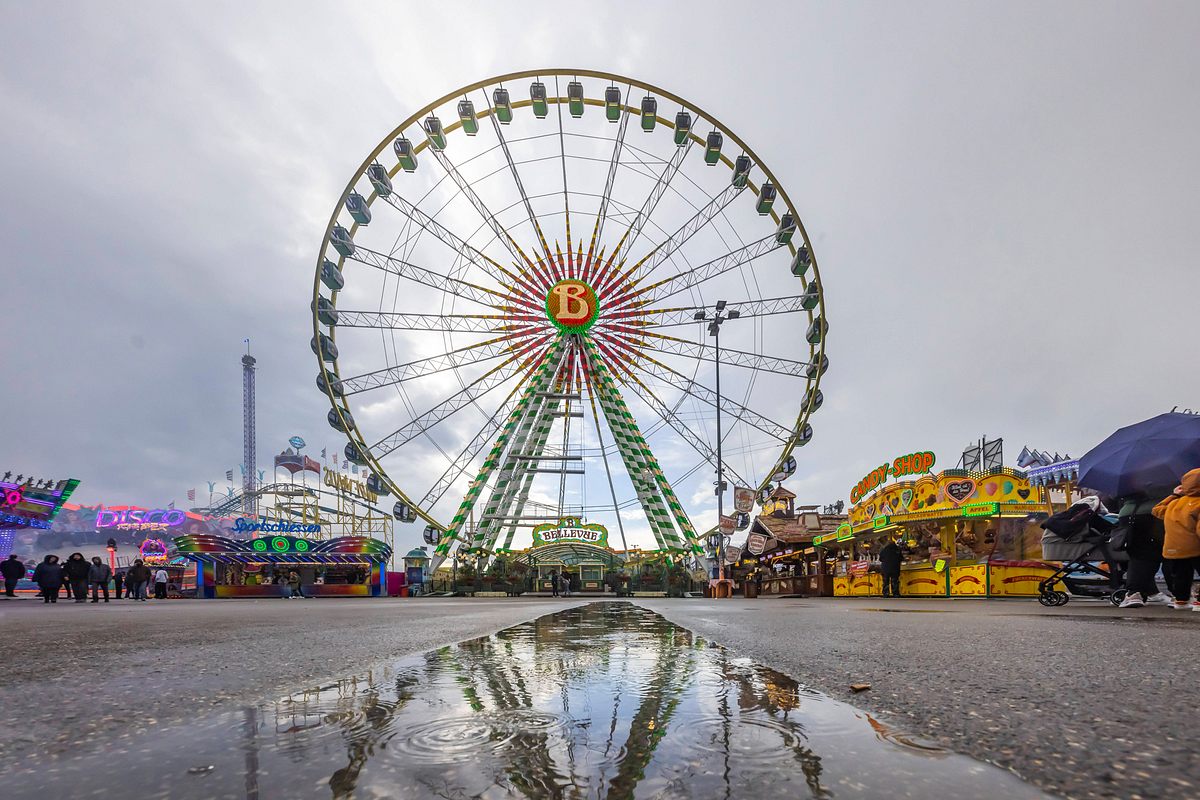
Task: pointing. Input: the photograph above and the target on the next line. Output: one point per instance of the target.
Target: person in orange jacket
(1180, 513)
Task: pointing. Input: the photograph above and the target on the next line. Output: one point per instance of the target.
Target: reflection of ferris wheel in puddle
(539, 281)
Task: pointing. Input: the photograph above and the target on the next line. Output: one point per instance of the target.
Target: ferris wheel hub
(572, 305)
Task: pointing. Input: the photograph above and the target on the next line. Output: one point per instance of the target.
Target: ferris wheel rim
(333, 369)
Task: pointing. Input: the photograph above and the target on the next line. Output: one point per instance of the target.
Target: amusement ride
(517, 303)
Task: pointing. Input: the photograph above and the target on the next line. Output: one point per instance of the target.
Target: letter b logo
(571, 305)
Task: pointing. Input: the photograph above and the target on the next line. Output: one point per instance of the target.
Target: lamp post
(720, 316)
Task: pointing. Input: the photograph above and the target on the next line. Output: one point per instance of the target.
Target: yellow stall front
(961, 533)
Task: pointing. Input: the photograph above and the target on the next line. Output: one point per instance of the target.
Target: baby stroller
(1079, 538)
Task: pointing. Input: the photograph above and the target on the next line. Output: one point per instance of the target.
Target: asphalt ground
(1085, 701)
(74, 676)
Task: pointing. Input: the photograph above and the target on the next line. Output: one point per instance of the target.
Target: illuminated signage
(880, 522)
(139, 519)
(911, 464)
(570, 529)
(981, 509)
(280, 544)
(844, 532)
(250, 525)
(153, 551)
(572, 305)
(336, 480)
(32, 502)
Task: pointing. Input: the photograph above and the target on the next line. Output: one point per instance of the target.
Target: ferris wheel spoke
(471, 354)
(686, 315)
(643, 215)
(610, 180)
(468, 455)
(488, 266)
(516, 176)
(422, 423)
(466, 323)
(663, 251)
(467, 291)
(688, 386)
(501, 233)
(730, 357)
(562, 155)
(685, 431)
(668, 287)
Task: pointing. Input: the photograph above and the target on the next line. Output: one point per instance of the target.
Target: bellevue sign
(912, 464)
(570, 529)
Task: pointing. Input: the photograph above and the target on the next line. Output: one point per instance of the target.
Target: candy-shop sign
(912, 464)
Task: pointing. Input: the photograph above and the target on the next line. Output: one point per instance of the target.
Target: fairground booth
(960, 532)
(572, 547)
(346, 566)
(779, 545)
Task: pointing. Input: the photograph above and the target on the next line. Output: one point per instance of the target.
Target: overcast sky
(1002, 197)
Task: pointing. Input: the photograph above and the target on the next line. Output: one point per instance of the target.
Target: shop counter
(922, 581)
(276, 590)
(784, 584)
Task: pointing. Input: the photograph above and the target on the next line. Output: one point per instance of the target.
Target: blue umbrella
(1148, 457)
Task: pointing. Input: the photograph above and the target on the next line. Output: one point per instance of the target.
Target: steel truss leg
(672, 529)
(542, 378)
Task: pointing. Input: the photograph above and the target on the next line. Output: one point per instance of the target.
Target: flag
(191, 495)
(212, 486)
(228, 474)
(323, 456)
(335, 458)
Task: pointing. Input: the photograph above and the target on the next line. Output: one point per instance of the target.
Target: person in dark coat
(48, 575)
(98, 575)
(554, 584)
(118, 581)
(136, 580)
(889, 565)
(13, 570)
(77, 570)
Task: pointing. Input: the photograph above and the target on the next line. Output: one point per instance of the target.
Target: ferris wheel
(518, 308)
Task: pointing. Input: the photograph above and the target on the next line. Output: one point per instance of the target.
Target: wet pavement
(602, 700)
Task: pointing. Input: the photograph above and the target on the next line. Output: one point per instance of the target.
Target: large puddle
(605, 700)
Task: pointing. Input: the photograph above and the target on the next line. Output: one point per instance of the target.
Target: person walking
(1144, 545)
(77, 569)
(136, 580)
(889, 565)
(293, 583)
(566, 583)
(98, 575)
(554, 584)
(160, 584)
(1180, 513)
(118, 581)
(13, 570)
(48, 575)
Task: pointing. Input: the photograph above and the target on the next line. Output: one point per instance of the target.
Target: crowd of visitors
(77, 578)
